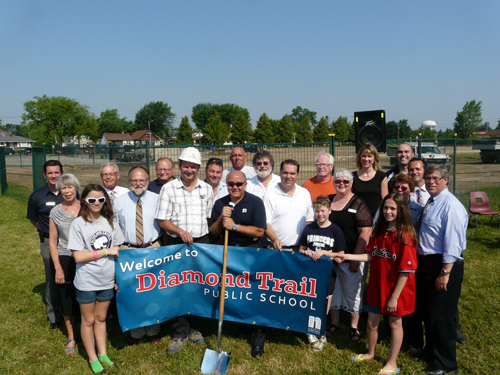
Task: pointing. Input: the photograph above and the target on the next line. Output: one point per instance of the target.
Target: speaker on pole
(369, 127)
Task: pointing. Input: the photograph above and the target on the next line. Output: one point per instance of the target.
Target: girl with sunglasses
(95, 239)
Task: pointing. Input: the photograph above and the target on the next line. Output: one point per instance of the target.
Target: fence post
(454, 162)
(38, 157)
(3, 172)
(332, 149)
(420, 145)
(147, 157)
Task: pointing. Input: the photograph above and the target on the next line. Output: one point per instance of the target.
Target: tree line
(52, 120)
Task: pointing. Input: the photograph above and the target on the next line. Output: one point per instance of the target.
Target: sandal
(331, 328)
(354, 334)
(70, 350)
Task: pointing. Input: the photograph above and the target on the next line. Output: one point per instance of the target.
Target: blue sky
(417, 60)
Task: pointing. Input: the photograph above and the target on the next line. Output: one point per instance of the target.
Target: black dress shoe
(257, 351)
(461, 339)
(431, 371)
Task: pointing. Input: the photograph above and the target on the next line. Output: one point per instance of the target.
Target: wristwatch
(235, 227)
(444, 272)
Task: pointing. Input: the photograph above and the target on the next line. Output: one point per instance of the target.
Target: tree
(341, 128)
(216, 131)
(264, 130)
(498, 126)
(468, 120)
(404, 129)
(285, 131)
(320, 131)
(298, 114)
(202, 112)
(110, 122)
(51, 119)
(240, 132)
(448, 133)
(304, 134)
(391, 130)
(185, 132)
(160, 117)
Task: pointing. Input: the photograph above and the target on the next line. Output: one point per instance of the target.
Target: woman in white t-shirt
(95, 238)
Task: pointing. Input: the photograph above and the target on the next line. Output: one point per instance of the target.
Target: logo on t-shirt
(383, 253)
(101, 240)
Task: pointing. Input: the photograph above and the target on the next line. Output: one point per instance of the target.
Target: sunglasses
(231, 184)
(94, 200)
(216, 161)
(345, 182)
(402, 188)
(266, 163)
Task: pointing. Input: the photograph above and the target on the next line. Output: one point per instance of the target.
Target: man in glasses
(404, 155)
(135, 212)
(441, 241)
(238, 159)
(110, 174)
(213, 176)
(165, 170)
(263, 163)
(322, 183)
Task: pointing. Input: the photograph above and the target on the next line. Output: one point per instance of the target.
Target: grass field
(28, 346)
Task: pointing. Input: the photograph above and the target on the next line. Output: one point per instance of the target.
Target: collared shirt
(247, 170)
(40, 203)
(288, 215)
(116, 192)
(248, 211)
(125, 210)
(221, 190)
(155, 186)
(257, 188)
(444, 228)
(423, 192)
(186, 210)
(415, 211)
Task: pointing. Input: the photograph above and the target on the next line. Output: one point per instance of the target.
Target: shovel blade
(215, 362)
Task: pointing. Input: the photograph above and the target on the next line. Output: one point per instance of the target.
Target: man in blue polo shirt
(40, 203)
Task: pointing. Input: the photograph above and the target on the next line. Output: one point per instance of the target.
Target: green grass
(28, 346)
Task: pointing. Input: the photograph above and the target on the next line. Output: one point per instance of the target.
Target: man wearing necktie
(416, 169)
(135, 212)
(110, 174)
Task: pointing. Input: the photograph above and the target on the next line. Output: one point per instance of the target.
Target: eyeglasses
(400, 187)
(108, 174)
(138, 182)
(433, 179)
(345, 182)
(320, 165)
(266, 163)
(93, 200)
(238, 184)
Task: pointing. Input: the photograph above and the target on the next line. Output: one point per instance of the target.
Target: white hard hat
(191, 154)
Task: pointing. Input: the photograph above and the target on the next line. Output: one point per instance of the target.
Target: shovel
(217, 362)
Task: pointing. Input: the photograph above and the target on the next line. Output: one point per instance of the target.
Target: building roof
(118, 137)
(8, 137)
(141, 135)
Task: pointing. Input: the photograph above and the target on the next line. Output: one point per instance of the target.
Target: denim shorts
(91, 297)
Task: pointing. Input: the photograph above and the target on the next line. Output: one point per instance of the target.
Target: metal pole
(420, 145)
(454, 163)
(332, 149)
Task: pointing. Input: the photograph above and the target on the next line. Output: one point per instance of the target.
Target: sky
(417, 60)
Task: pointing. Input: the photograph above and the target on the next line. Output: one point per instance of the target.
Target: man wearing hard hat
(184, 209)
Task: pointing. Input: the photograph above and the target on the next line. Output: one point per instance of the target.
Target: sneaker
(196, 337)
(319, 344)
(176, 345)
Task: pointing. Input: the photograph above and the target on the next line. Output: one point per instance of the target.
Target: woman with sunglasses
(95, 239)
(61, 217)
(353, 217)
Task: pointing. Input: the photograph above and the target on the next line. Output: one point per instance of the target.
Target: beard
(264, 173)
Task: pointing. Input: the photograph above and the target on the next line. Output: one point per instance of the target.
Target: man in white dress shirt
(416, 169)
(110, 174)
(263, 163)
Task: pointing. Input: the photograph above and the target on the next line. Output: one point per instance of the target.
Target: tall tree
(391, 130)
(228, 112)
(468, 120)
(264, 130)
(304, 134)
(341, 128)
(160, 117)
(404, 129)
(185, 132)
(298, 114)
(240, 132)
(216, 131)
(111, 122)
(320, 131)
(51, 119)
(285, 130)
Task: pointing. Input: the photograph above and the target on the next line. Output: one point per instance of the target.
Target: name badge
(50, 203)
(352, 210)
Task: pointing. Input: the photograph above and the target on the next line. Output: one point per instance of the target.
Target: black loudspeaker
(369, 127)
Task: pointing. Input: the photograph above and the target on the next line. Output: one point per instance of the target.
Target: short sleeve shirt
(316, 238)
(40, 203)
(316, 188)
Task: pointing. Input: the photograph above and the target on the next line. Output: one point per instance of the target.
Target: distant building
(118, 139)
(14, 141)
(430, 124)
(142, 136)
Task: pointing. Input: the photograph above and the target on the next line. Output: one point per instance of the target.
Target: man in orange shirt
(322, 183)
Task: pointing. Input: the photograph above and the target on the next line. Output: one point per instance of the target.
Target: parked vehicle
(490, 149)
(430, 153)
(9, 151)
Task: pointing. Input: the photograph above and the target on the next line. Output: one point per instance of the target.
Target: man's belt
(143, 246)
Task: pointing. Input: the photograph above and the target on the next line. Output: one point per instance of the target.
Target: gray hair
(67, 179)
(445, 173)
(330, 157)
(263, 154)
(117, 170)
(342, 172)
(165, 159)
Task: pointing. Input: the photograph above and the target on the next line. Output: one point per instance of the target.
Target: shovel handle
(223, 281)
